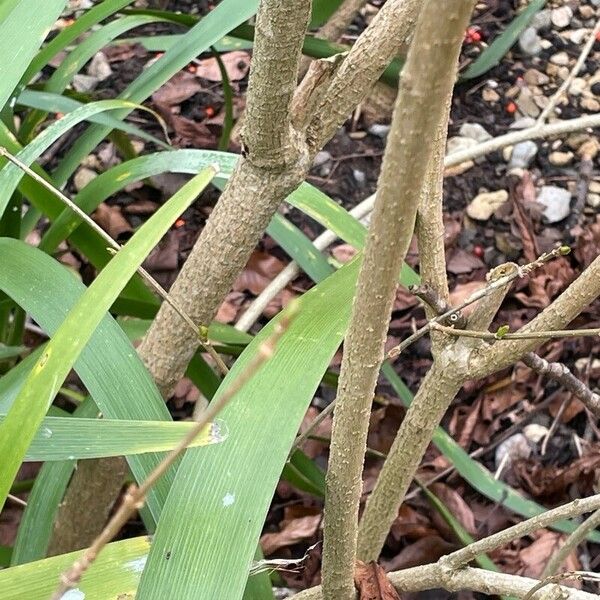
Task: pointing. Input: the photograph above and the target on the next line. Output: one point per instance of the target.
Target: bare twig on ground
(564, 87)
(450, 571)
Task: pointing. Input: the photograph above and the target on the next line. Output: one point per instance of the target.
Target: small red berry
(478, 251)
(511, 108)
(209, 111)
(475, 37)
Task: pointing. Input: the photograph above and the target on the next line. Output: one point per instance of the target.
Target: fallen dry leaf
(411, 524)
(551, 481)
(456, 505)
(180, 87)
(261, 269)
(523, 196)
(422, 552)
(236, 64)
(112, 221)
(462, 261)
(372, 582)
(294, 531)
(343, 253)
(535, 557)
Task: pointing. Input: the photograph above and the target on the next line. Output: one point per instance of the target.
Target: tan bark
(275, 163)
(365, 62)
(95, 483)
(262, 181)
(426, 83)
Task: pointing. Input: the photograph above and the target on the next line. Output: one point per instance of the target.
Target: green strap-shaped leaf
(56, 103)
(63, 438)
(219, 22)
(145, 303)
(69, 34)
(225, 490)
(495, 52)
(20, 43)
(77, 59)
(114, 575)
(62, 351)
(37, 522)
(10, 175)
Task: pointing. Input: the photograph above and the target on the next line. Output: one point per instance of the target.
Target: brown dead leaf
(523, 196)
(422, 552)
(112, 221)
(372, 582)
(230, 307)
(535, 557)
(411, 524)
(546, 284)
(261, 269)
(456, 505)
(462, 261)
(165, 257)
(236, 64)
(551, 481)
(462, 291)
(588, 243)
(180, 87)
(294, 531)
(124, 51)
(190, 133)
(343, 253)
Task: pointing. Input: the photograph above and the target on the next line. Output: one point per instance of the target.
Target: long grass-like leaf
(60, 354)
(60, 438)
(495, 52)
(19, 44)
(115, 574)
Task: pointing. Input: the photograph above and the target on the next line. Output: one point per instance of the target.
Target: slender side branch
(135, 496)
(425, 86)
(495, 281)
(430, 223)
(437, 390)
(561, 373)
(560, 313)
(578, 536)
(366, 61)
(449, 572)
(569, 80)
(517, 335)
(429, 577)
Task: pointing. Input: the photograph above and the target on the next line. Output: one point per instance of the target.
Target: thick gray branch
(366, 61)
(426, 83)
(280, 29)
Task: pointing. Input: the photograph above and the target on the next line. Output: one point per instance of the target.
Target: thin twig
(312, 426)
(537, 335)
(574, 71)
(488, 289)
(135, 496)
(561, 373)
(577, 575)
(116, 247)
(571, 543)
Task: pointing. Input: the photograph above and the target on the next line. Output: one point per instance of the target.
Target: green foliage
(494, 53)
